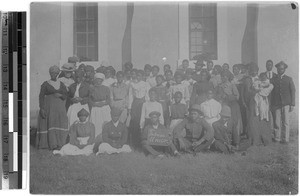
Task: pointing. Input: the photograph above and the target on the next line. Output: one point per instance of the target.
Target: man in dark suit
(269, 67)
(282, 102)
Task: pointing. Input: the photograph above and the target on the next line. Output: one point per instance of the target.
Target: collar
(282, 76)
(155, 126)
(116, 123)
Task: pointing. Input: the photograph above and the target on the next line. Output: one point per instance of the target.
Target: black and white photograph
(164, 98)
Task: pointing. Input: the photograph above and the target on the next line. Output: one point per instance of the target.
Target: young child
(109, 76)
(179, 86)
(147, 71)
(263, 88)
(156, 151)
(189, 81)
(114, 135)
(166, 68)
(82, 137)
(178, 111)
(169, 79)
(152, 80)
(211, 108)
(150, 106)
(163, 97)
(216, 76)
(210, 66)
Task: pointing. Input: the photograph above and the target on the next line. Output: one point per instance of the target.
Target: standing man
(269, 67)
(282, 102)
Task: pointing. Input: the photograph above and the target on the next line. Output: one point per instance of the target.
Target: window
(203, 30)
(86, 31)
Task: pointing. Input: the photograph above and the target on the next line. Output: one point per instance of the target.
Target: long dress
(99, 115)
(259, 131)
(228, 94)
(138, 94)
(53, 130)
(119, 99)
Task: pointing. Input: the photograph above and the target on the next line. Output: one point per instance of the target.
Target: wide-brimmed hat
(67, 67)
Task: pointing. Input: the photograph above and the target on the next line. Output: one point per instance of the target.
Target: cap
(156, 113)
(196, 107)
(225, 111)
(83, 112)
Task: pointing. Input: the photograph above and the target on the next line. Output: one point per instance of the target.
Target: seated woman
(114, 135)
(82, 136)
(156, 150)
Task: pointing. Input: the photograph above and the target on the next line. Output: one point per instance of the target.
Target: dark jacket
(84, 90)
(283, 92)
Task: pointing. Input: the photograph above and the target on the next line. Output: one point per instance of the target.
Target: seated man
(114, 135)
(223, 130)
(149, 145)
(199, 134)
(82, 136)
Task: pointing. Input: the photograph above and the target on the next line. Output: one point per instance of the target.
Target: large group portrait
(164, 97)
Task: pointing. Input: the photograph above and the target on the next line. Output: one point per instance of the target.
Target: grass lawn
(263, 170)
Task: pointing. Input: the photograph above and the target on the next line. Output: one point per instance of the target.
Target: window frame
(86, 32)
(193, 18)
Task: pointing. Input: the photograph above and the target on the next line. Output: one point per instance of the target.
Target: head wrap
(83, 112)
(100, 76)
(154, 113)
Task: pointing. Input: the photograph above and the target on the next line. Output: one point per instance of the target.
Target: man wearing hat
(199, 134)
(82, 137)
(282, 102)
(223, 131)
(114, 135)
(156, 150)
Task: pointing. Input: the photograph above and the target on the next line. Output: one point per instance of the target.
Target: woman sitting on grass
(82, 136)
(114, 135)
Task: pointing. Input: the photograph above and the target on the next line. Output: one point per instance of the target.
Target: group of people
(85, 111)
